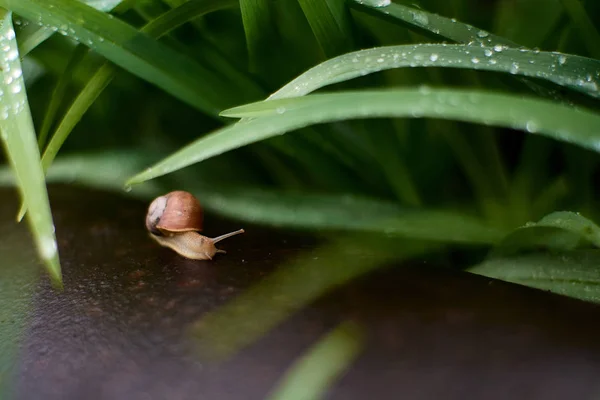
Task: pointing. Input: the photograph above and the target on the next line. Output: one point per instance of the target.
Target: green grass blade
(330, 23)
(58, 94)
(132, 50)
(187, 12)
(257, 16)
(295, 285)
(31, 37)
(311, 376)
(560, 230)
(587, 31)
(349, 213)
(429, 23)
(18, 136)
(574, 72)
(542, 117)
(572, 273)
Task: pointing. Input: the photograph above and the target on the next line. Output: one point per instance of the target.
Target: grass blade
(587, 31)
(430, 24)
(260, 30)
(349, 213)
(58, 94)
(573, 273)
(543, 117)
(134, 51)
(311, 376)
(330, 23)
(575, 72)
(18, 136)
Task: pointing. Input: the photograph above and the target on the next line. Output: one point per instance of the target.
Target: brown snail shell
(176, 211)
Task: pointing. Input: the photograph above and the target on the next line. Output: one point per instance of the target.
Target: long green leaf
(259, 26)
(542, 117)
(58, 94)
(311, 376)
(561, 230)
(349, 213)
(18, 136)
(330, 23)
(587, 31)
(575, 72)
(132, 50)
(429, 23)
(572, 273)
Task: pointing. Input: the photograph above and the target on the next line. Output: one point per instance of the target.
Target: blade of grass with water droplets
(568, 273)
(429, 23)
(134, 51)
(18, 136)
(571, 71)
(561, 122)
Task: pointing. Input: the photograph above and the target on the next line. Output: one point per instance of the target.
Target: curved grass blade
(186, 12)
(58, 93)
(569, 273)
(330, 23)
(134, 51)
(257, 16)
(33, 35)
(349, 213)
(431, 24)
(587, 31)
(311, 376)
(575, 72)
(542, 117)
(17, 133)
(296, 284)
(562, 230)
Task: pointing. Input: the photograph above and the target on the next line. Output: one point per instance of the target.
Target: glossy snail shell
(176, 211)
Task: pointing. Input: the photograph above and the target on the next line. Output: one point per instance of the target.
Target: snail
(174, 221)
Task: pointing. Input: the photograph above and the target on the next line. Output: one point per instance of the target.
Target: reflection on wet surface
(119, 329)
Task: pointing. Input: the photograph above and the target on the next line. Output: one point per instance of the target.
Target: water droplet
(420, 18)
(531, 126)
(380, 60)
(375, 3)
(280, 110)
(12, 55)
(488, 52)
(8, 79)
(17, 73)
(433, 57)
(493, 61)
(424, 89)
(16, 88)
(482, 34)
(475, 60)
(48, 247)
(562, 60)
(10, 35)
(514, 68)
(498, 48)
(127, 188)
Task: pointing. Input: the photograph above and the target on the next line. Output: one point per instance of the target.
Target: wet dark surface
(118, 329)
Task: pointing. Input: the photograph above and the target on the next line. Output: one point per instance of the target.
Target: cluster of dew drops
(11, 74)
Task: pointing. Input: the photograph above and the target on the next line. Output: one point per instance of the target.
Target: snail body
(174, 220)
